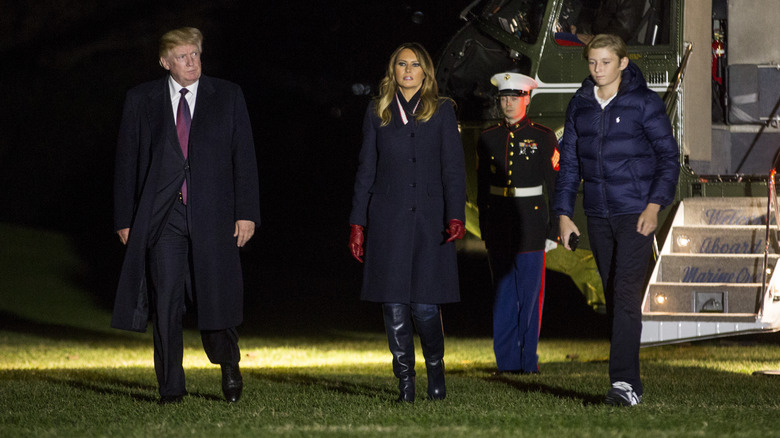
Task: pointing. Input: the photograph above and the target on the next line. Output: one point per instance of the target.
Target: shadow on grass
(86, 380)
(14, 323)
(533, 387)
(99, 383)
(339, 386)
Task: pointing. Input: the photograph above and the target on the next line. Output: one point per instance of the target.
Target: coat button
(412, 134)
(413, 185)
(412, 209)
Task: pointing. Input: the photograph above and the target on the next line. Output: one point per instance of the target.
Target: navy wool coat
(410, 182)
(626, 154)
(222, 182)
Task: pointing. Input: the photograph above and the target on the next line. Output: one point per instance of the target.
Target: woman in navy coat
(409, 200)
(618, 141)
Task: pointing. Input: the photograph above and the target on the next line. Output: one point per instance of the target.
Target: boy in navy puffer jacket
(618, 141)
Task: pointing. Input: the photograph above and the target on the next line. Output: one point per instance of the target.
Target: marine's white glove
(549, 244)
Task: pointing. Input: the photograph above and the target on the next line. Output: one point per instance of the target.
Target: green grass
(63, 372)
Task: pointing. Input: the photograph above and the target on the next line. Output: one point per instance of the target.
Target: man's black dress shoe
(170, 399)
(232, 384)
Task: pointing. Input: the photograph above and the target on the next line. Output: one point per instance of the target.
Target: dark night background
(66, 66)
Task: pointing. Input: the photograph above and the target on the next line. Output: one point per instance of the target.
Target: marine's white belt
(516, 192)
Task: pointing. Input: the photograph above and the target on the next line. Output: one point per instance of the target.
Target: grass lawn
(63, 372)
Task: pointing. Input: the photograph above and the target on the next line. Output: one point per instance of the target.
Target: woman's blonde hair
(429, 97)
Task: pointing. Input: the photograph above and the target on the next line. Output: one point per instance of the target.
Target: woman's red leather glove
(456, 230)
(356, 241)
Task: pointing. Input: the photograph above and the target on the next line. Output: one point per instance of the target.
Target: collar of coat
(520, 124)
(631, 79)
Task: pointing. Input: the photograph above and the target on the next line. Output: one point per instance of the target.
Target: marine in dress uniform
(518, 163)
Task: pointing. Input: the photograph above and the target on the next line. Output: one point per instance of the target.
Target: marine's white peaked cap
(513, 83)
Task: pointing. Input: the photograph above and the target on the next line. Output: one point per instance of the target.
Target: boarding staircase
(714, 272)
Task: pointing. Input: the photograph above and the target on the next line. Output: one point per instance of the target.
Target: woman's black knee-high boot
(400, 339)
(431, 334)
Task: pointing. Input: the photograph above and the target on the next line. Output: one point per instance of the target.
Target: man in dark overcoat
(186, 198)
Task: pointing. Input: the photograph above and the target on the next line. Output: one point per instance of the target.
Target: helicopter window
(638, 22)
(521, 18)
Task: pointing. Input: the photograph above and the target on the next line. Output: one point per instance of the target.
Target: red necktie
(183, 119)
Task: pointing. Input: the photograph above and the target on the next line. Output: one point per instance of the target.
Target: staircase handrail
(771, 205)
(672, 96)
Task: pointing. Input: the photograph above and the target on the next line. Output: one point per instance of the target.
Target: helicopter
(716, 246)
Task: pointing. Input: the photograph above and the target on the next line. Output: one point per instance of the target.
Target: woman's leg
(400, 339)
(427, 319)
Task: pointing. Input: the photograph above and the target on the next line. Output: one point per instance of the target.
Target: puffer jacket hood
(625, 154)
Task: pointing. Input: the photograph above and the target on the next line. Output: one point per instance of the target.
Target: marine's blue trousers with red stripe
(518, 281)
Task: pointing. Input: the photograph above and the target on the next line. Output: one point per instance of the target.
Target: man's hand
(648, 220)
(124, 234)
(566, 227)
(456, 230)
(244, 231)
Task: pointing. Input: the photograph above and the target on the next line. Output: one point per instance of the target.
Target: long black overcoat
(222, 182)
(410, 182)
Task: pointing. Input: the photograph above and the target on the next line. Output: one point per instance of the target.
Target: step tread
(725, 211)
(728, 200)
(679, 283)
(722, 227)
(748, 255)
(699, 317)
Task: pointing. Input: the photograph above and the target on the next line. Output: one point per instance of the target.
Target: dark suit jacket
(222, 182)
